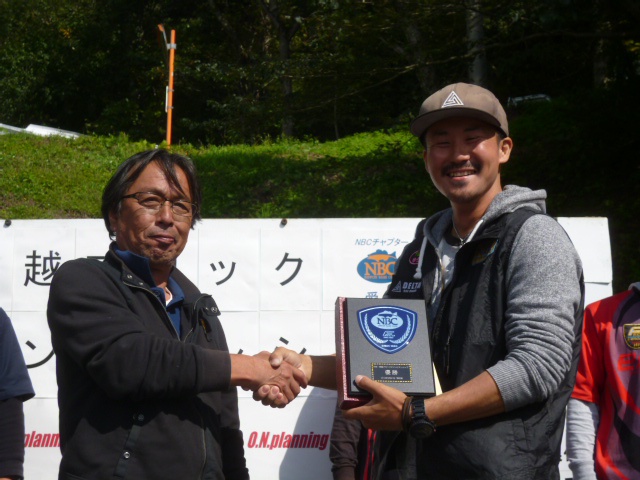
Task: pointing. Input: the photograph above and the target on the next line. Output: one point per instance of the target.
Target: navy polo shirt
(14, 377)
(141, 267)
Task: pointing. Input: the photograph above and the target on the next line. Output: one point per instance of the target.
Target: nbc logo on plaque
(387, 327)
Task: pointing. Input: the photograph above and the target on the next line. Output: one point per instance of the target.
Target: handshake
(275, 379)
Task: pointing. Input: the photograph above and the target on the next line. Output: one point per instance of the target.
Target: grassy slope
(366, 175)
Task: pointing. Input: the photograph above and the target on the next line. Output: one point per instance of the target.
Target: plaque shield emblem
(387, 327)
(386, 339)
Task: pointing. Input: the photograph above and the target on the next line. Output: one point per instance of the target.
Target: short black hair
(132, 167)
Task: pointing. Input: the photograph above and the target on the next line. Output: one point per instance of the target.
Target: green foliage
(54, 177)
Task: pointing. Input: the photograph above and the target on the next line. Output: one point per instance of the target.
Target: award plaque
(388, 341)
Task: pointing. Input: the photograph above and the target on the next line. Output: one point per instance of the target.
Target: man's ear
(113, 219)
(504, 148)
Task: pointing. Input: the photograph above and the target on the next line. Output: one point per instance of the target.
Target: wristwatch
(421, 426)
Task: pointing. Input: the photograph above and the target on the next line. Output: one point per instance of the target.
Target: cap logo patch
(453, 100)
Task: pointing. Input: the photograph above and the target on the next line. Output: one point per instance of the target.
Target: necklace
(462, 239)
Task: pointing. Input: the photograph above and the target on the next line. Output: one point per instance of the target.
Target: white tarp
(40, 130)
(275, 283)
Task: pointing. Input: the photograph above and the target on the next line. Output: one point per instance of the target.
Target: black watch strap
(420, 426)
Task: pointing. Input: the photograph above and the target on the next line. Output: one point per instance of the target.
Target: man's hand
(384, 411)
(281, 355)
(319, 369)
(271, 394)
(279, 385)
(282, 382)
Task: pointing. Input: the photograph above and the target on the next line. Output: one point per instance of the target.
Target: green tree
(246, 71)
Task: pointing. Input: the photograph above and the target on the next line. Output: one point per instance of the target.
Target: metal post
(172, 50)
(168, 100)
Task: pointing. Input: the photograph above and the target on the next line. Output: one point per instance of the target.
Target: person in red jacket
(603, 422)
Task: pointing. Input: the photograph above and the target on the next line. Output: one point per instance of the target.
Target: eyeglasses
(153, 202)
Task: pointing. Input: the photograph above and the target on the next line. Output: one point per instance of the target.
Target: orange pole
(172, 50)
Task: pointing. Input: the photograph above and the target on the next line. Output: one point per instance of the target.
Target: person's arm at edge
(17, 389)
(583, 414)
(582, 425)
(11, 439)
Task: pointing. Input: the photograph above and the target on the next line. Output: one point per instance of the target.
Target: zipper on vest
(429, 295)
(444, 297)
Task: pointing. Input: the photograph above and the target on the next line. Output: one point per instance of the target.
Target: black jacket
(136, 402)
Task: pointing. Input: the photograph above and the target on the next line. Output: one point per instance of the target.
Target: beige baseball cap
(460, 100)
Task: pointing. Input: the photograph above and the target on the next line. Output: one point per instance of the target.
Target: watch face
(421, 428)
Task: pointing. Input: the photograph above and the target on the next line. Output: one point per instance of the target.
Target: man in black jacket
(146, 385)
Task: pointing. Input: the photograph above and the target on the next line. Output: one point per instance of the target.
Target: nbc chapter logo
(378, 267)
(387, 327)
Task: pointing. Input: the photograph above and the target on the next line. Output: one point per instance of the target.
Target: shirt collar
(137, 264)
(142, 268)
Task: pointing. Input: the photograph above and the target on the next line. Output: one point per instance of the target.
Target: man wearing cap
(504, 293)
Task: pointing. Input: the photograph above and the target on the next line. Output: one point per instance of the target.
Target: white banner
(275, 282)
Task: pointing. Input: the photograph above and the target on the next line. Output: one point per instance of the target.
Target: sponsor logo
(632, 335)
(388, 328)
(414, 258)
(42, 440)
(378, 267)
(269, 440)
(411, 286)
(406, 287)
